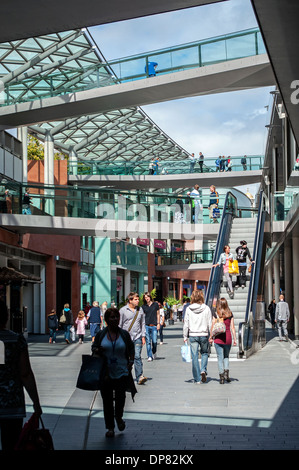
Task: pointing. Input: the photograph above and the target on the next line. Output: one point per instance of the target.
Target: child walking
(81, 323)
(52, 325)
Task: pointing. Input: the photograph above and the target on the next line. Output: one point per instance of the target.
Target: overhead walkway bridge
(107, 213)
(135, 174)
(227, 63)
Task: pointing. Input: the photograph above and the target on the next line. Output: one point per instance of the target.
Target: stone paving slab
(258, 410)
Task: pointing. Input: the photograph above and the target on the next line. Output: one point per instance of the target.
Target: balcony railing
(166, 167)
(84, 202)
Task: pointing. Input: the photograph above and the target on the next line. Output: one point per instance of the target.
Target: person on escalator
(242, 253)
(224, 259)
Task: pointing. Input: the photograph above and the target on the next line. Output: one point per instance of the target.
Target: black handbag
(33, 437)
(92, 372)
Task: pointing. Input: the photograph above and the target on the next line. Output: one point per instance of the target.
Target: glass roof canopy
(121, 135)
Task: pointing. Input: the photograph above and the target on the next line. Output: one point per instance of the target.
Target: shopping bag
(186, 353)
(92, 372)
(33, 437)
(233, 267)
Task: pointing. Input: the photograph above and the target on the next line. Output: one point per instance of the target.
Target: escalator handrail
(255, 268)
(222, 239)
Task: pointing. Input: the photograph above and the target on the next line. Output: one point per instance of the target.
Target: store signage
(160, 244)
(143, 241)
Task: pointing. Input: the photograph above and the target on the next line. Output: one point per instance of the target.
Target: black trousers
(113, 390)
(10, 432)
(241, 279)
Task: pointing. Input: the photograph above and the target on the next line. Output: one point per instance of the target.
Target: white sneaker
(149, 359)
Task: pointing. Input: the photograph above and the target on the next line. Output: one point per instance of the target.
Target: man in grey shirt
(132, 319)
(282, 316)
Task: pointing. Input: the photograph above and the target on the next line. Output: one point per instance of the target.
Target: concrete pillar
(102, 271)
(73, 162)
(269, 284)
(127, 282)
(75, 288)
(276, 277)
(295, 253)
(49, 173)
(51, 284)
(22, 136)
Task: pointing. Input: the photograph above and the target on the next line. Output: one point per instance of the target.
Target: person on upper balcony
(214, 201)
(150, 69)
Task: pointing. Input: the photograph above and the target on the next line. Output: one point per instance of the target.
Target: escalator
(248, 312)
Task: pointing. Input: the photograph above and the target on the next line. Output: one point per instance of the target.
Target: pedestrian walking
(81, 323)
(200, 161)
(197, 324)
(242, 253)
(192, 159)
(132, 319)
(244, 162)
(26, 202)
(271, 310)
(162, 322)
(196, 203)
(152, 325)
(214, 201)
(94, 316)
(67, 321)
(223, 341)
(53, 325)
(150, 69)
(282, 316)
(224, 259)
(15, 375)
(116, 346)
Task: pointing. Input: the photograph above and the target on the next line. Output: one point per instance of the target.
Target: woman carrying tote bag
(223, 341)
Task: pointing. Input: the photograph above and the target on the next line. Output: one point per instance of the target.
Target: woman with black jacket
(116, 346)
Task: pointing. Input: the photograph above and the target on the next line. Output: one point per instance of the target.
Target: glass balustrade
(185, 257)
(73, 201)
(133, 257)
(175, 59)
(283, 202)
(166, 167)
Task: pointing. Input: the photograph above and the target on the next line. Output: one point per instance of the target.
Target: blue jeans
(151, 340)
(195, 342)
(137, 360)
(52, 332)
(223, 351)
(67, 334)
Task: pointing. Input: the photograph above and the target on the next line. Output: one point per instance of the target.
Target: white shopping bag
(186, 353)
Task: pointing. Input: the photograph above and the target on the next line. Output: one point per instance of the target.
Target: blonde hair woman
(223, 341)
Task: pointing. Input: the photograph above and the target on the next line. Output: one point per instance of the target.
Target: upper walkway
(258, 410)
(225, 63)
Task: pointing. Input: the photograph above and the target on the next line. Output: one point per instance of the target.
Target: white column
(49, 173)
(73, 161)
(295, 253)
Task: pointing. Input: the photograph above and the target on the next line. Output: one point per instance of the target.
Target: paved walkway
(257, 410)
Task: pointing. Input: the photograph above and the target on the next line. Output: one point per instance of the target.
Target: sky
(221, 124)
